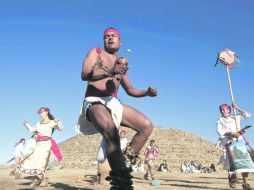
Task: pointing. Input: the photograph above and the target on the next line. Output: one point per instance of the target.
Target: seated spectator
(212, 167)
(185, 167)
(204, 169)
(193, 167)
(200, 166)
(194, 164)
(163, 166)
(138, 167)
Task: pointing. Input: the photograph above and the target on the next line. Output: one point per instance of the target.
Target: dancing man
(105, 72)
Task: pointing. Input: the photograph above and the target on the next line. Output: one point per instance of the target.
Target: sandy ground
(66, 179)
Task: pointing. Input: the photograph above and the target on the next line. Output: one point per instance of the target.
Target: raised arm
(244, 113)
(28, 126)
(131, 91)
(58, 124)
(90, 69)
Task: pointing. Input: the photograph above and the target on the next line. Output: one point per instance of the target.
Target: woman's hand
(57, 121)
(25, 122)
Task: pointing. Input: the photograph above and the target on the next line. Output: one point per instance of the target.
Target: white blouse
(225, 125)
(44, 129)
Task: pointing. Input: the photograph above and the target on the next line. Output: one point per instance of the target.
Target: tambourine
(227, 57)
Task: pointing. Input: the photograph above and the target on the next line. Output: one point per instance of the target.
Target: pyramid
(174, 145)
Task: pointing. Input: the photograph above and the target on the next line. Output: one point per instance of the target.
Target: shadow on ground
(67, 187)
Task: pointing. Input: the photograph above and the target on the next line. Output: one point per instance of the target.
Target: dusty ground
(66, 179)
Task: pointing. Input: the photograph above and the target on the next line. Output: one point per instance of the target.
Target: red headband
(43, 110)
(112, 30)
(224, 106)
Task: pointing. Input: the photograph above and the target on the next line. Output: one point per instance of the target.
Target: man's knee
(147, 127)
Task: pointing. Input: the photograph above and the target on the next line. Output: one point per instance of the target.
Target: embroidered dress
(36, 163)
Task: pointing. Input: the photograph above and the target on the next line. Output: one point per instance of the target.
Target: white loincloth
(85, 127)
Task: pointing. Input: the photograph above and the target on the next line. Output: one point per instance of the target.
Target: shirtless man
(105, 72)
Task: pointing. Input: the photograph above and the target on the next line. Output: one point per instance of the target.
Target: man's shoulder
(96, 50)
(92, 51)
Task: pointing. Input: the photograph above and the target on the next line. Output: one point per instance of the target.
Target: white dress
(36, 163)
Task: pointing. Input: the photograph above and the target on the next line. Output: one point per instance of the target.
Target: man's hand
(234, 105)
(151, 91)
(235, 135)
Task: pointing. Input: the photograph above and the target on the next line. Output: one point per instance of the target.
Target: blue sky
(174, 47)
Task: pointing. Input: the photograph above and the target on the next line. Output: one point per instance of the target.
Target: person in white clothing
(101, 161)
(226, 128)
(36, 163)
(123, 140)
(18, 155)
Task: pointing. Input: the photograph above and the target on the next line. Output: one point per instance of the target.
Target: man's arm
(222, 133)
(126, 84)
(90, 70)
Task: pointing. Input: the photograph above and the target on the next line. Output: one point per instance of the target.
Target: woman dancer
(36, 163)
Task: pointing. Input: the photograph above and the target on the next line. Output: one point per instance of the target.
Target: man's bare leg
(137, 121)
(119, 176)
(103, 122)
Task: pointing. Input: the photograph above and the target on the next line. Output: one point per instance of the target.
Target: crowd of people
(102, 112)
(194, 167)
